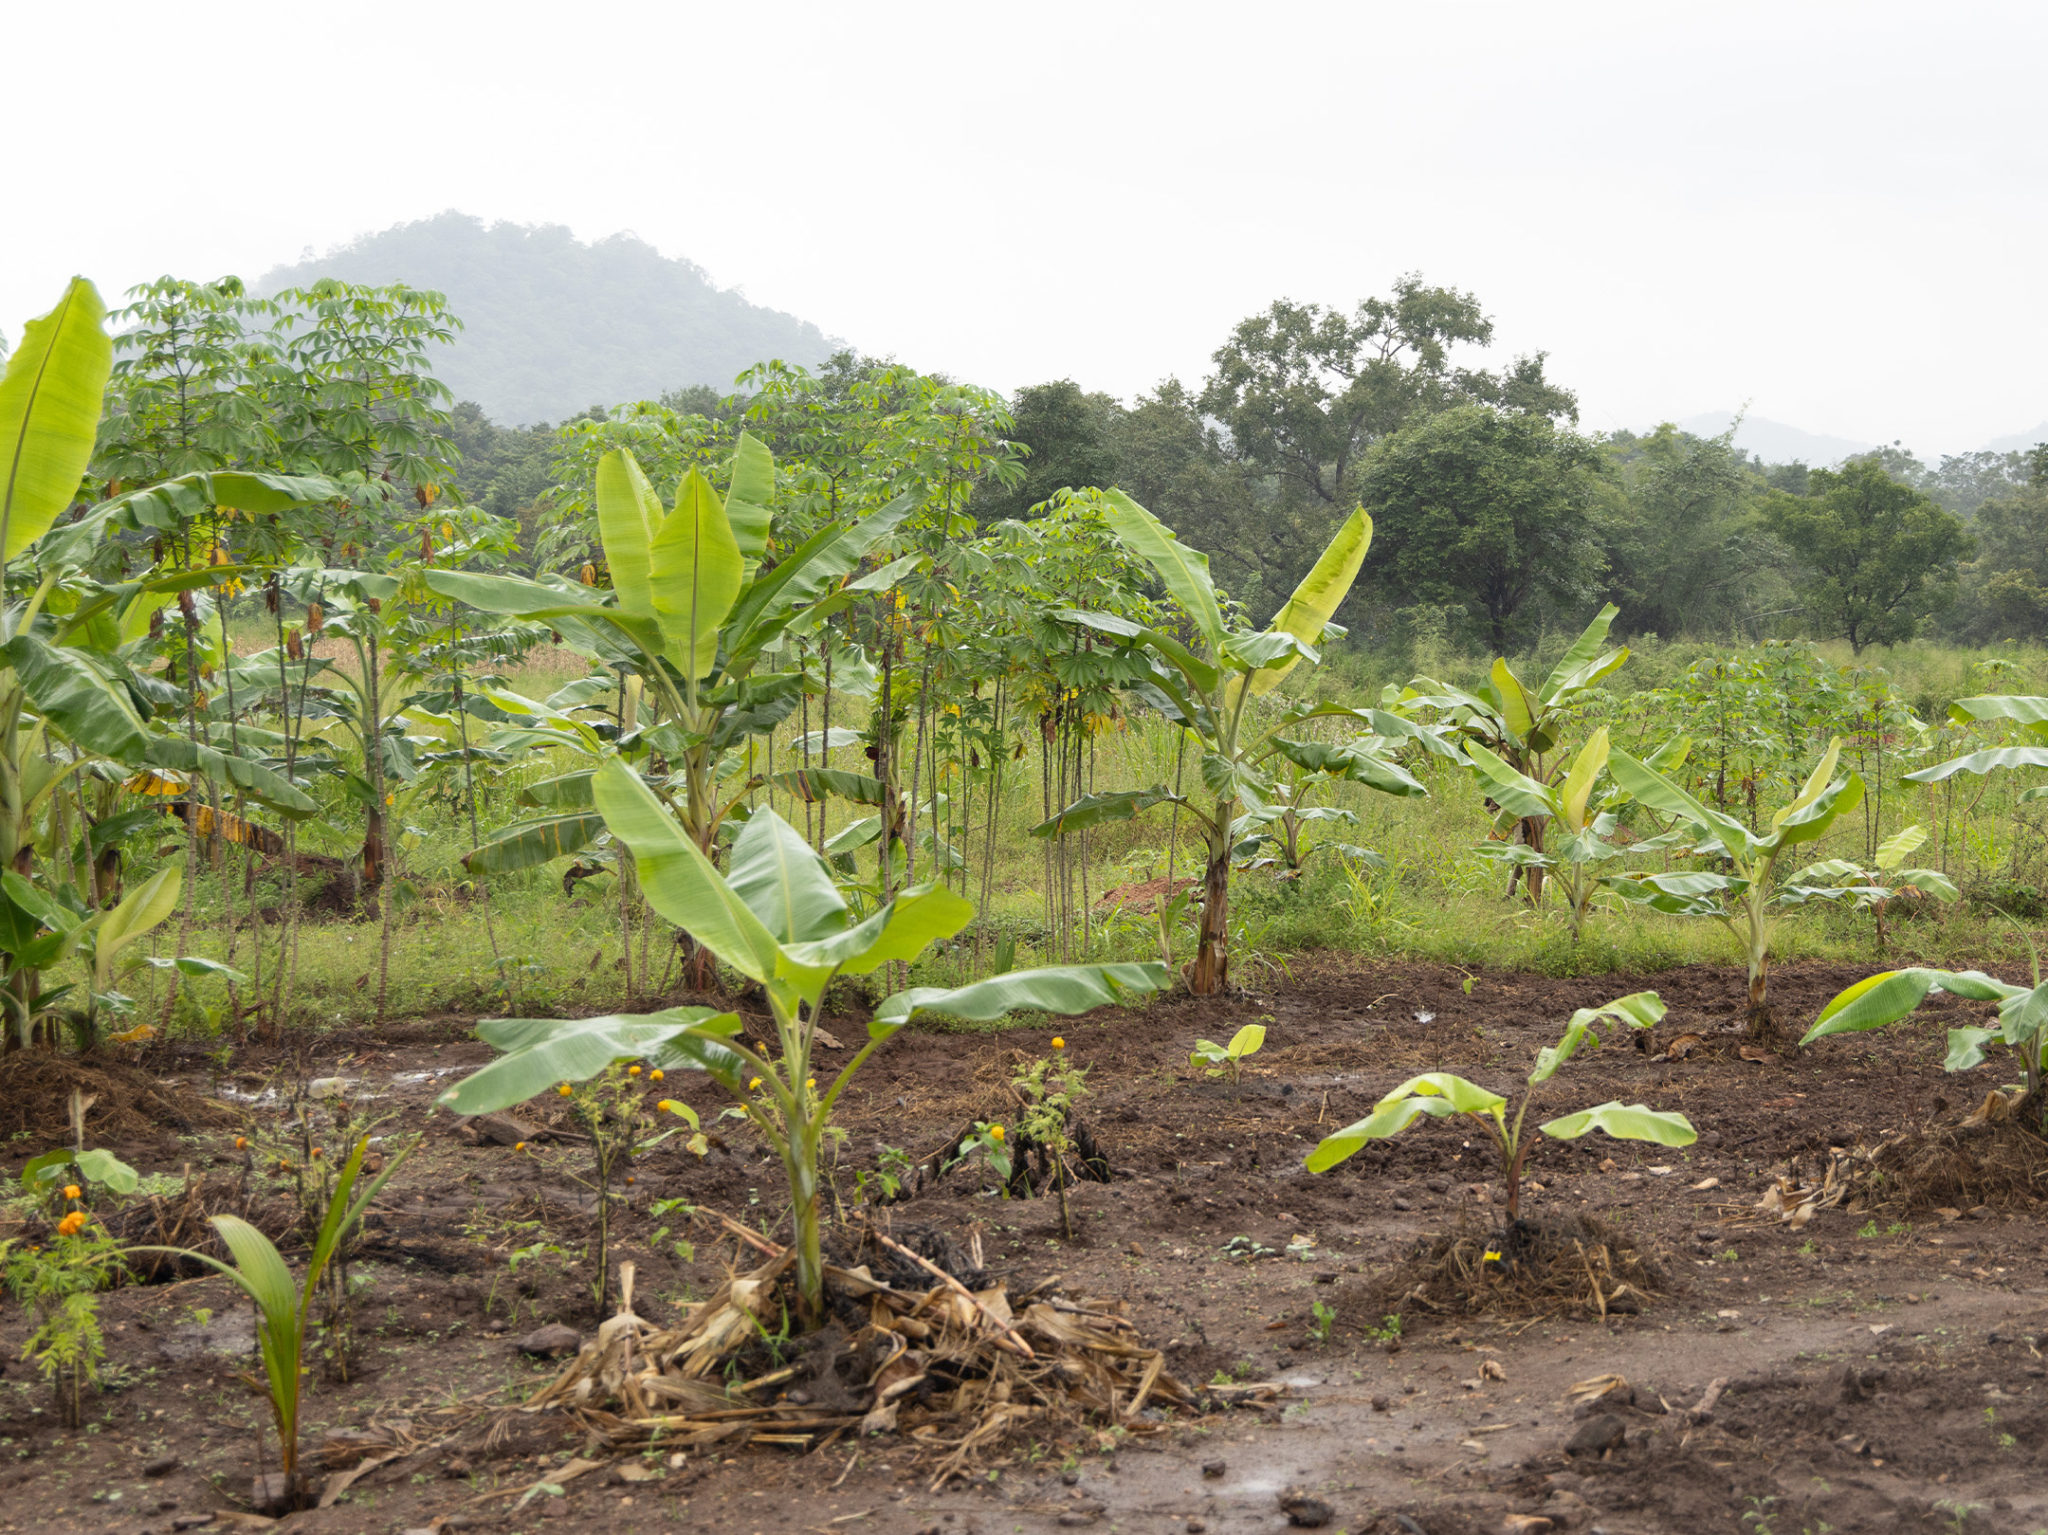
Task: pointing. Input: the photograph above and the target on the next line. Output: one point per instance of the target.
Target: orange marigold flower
(241, 1143)
(564, 1089)
(632, 1071)
(519, 1145)
(70, 1225)
(654, 1075)
(72, 1191)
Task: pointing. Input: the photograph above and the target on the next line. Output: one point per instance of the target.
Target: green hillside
(553, 325)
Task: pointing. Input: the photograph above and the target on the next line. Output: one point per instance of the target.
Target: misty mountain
(1776, 443)
(552, 325)
(2019, 442)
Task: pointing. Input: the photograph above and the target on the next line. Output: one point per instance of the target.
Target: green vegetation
(1440, 1095)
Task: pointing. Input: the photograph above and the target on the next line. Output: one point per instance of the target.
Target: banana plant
(1587, 815)
(101, 938)
(693, 612)
(1519, 724)
(2029, 714)
(67, 696)
(1303, 768)
(1440, 1095)
(1880, 1000)
(778, 919)
(1749, 899)
(1210, 694)
(1886, 879)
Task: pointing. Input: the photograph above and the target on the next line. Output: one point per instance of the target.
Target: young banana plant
(2030, 715)
(1749, 899)
(1518, 724)
(1576, 826)
(691, 614)
(1876, 887)
(1209, 694)
(1439, 1095)
(778, 919)
(1877, 1001)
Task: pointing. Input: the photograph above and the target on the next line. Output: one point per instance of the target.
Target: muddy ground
(1882, 1369)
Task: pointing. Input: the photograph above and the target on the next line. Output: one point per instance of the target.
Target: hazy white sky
(1833, 211)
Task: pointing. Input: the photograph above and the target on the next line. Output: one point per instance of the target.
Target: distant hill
(1776, 443)
(552, 325)
(2019, 442)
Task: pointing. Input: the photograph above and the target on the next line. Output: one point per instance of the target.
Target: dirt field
(1879, 1368)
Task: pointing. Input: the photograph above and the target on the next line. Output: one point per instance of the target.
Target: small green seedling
(1221, 1058)
(1438, 1094)
(1325, 1318)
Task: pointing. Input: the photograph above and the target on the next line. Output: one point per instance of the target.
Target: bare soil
(1880, 1368)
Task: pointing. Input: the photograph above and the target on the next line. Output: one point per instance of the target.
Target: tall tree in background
(2005, 589)
(1303, 392)
(1069, 438)
(1876, 556)
(1489, 509)
(1686, 555)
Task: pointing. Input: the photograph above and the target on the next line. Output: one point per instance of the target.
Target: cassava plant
(1749, 899)
(1210, 694)
(1439, 1095)
(778, 920)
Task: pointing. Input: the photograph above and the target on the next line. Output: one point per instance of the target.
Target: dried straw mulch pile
(956, 1371)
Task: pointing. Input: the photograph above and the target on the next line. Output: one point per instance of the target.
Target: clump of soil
(1573, 1263)
(2001, 1164)
(122, 1100)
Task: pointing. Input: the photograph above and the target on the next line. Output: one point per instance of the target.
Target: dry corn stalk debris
(954, 1370)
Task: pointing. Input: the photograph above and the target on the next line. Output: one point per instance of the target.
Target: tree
(2005, 589)
(1209, 697)
(1070, 438)
(1303, 392)
(1489, 508)
(1685, 555)
(1877, 556)
(1171, 457)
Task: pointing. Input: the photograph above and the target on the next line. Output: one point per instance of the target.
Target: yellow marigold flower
(667, 1105)
(519, 1145)
(753, 1084)
(810, 1084)
(995, 1132)
(72, 1191)
(1058, 1043)
(564, 1089)
(70, 1225)
(632, 1071)
(655, 1075)
(1492, 1256)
